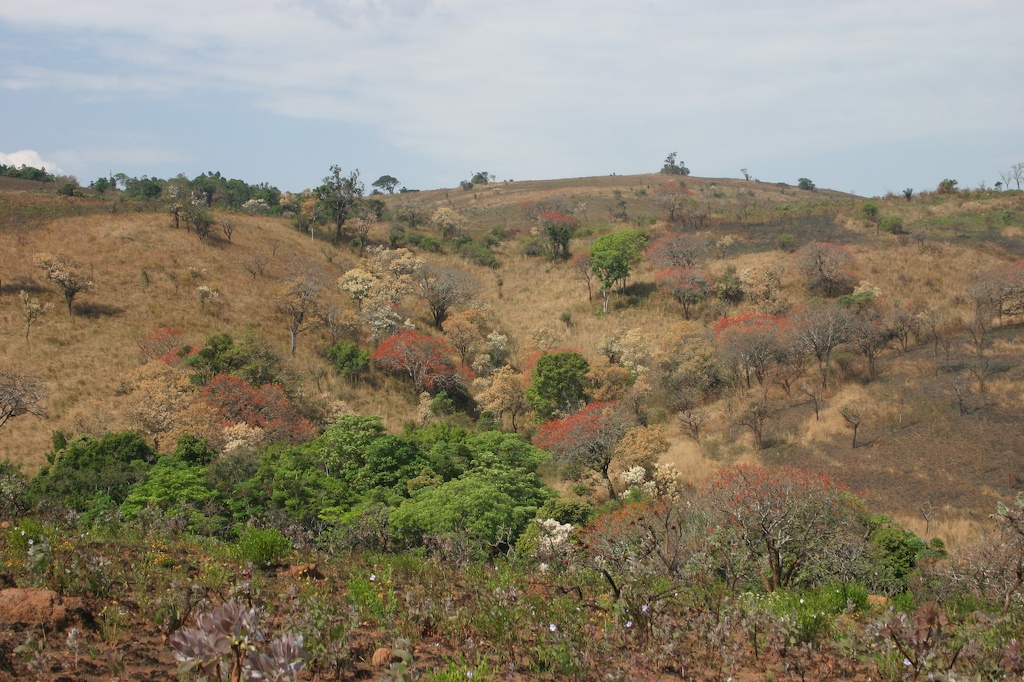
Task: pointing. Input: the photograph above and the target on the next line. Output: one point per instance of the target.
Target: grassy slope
(917, 449)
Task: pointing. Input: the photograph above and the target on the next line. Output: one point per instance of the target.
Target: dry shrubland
(147, 274)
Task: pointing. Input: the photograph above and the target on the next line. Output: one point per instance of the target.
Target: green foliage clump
(348, 359)
(805, 183)
(263, 546)
(809, 614)
(892, 224)
(577, 513)
(558, 383)
(893, 554)
(252, 360)
(869, 211)
(728, 286)
(671, 167)
(177, 490)
(480, 254)
(486, 505)
(193, 450)
(87, 470)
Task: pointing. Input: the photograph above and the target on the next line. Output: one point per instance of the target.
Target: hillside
(915, 447)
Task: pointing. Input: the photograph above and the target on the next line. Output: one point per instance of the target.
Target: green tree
(86, 471)
(673, 168)
(337, 197)
(612, 258)
(386, 183)
(804, 183)
(558, 383)
(348, 359)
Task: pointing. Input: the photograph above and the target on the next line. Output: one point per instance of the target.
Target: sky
(862, 96)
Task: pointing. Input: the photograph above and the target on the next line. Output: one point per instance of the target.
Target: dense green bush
(193, 450)
(252, 360)
(178, 490)
(348, 359)
(478, 505)
(87, 469)
(892, 224)
(557, 383)
(263, 546)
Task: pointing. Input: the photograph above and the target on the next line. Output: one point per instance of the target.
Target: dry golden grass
(145, 274)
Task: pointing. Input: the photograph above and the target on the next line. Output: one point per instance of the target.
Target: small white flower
(801, 601)
(645, 608)
(373, 577)
(629, 623)
(31, 542)
(552, 627)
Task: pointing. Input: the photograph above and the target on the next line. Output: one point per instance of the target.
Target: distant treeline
(212, 188)
(25, 173)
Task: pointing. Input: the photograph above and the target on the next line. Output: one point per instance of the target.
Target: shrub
(263, 546)
(479, 254)
(176, 489)
(431, 244)
(892, 224)
(728, 286)
(12, 491)
(785, 242)
(348, 359)
(193, 450)
(479, 505)
(804, 183)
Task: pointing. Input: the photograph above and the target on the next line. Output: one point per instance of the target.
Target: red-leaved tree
(588, 438)
(266, 407)
(159, 342)
(426, 360)
(791, 524)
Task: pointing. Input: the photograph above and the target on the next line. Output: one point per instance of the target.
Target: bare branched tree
(692, 421)
(853, 415)
(443, 289)
(20, 393)
(256, 264)
(297, 300)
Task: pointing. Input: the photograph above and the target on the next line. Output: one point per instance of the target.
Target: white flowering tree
(64, 273)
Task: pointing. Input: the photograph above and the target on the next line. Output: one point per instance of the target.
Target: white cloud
(557, 86)
(28, 157)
